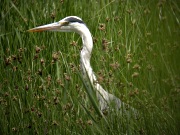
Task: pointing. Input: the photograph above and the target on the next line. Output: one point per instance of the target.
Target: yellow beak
(48, 27)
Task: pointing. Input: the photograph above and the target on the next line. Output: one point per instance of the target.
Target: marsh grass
(135, 57)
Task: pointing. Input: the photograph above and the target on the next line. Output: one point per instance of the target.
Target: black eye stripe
(73, 19)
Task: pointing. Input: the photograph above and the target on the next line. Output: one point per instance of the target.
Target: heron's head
(68, 24)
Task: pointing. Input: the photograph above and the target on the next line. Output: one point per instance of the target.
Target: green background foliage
(135, 57)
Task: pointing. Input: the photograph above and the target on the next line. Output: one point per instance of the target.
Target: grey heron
(76, 24)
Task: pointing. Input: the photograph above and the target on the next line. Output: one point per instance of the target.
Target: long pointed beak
(48, 27)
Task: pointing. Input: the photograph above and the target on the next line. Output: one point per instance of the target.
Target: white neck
(86, 54)
(103, 96)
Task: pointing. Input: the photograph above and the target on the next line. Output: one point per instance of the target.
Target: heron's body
(75, 24)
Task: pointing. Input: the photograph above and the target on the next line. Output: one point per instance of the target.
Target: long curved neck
(86, 54)
(103, 96)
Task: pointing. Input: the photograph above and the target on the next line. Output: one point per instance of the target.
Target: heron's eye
(65, 23)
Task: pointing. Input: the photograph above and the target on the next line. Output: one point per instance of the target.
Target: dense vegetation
(136, 57)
